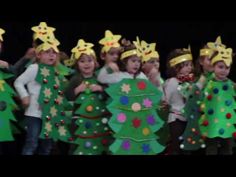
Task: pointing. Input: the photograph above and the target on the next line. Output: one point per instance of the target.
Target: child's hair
(126, 46)
(198, 67)
(172, 71)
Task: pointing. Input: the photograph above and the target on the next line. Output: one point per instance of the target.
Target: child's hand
(95, 87)
(152, 76)
(113, 66)
(25, 101)
(3, 64)
(80, 88)
(30, 53)
(164, 105)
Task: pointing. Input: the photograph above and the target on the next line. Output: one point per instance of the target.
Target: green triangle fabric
(7, 106)
(93, 134)
(134, 117)
(55, 123)
(218, 107)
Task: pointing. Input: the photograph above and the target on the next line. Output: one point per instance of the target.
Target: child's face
(86, 64)
(48, 57)
(112, 55)
(206, 64)
(221, 70)
(133, 64)
(186, 68)
(152, 63)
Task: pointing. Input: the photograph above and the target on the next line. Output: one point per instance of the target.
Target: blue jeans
(34, 126)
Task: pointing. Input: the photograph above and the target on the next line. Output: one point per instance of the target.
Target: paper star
(47, 92)
(83, 48)
(57, 81)
(147, 103)
(62, 131)
(48, 126)
(53, 111)
(45, 72)
(110, 40)
(2, 85)
(125, 88)
(2, 31)
(42, 31)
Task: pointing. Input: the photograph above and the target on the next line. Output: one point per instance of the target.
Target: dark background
(168, 33)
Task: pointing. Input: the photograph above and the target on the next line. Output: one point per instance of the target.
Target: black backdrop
(167, 33)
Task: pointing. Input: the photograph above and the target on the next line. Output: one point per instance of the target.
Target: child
(110, 51)
(7, 106)
(43, 100)
(150, 67)
(192, 92)
(136, 134)
(180, 68)
(90, 130)
(217, 123)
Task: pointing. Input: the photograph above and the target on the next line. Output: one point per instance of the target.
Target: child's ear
(102, 55)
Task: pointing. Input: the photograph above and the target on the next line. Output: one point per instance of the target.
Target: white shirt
(105, 78)
(33, 90)
(174, 99)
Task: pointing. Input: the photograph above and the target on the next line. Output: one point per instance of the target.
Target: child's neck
(219, 79)
(87, 75)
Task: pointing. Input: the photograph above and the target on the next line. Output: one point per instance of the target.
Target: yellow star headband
(181, 58)
(2, 31)
(147, 50)
(128, 53)
(109, 41)
(81, 48)
(206, 52)
(42, 31)
(47, 45)
(214, 45)
(224, 55)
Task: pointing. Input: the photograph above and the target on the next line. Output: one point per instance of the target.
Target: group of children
(124, 107)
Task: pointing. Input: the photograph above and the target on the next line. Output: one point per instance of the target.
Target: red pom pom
(141, 85)
(209, 97)
(228, 115)
(205, 123)
(104, 142)
(234, 135)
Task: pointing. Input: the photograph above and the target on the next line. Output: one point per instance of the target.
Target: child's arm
(4, 64)
(26, 77)
(105, 78)
(201, 82)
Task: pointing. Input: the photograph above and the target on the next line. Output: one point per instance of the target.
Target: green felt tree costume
(55, 122)
(7, 105)
(93, 134)
(135, 118)
(218, 107)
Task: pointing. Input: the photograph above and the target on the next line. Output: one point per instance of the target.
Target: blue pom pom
(215, 90)
(124, 100)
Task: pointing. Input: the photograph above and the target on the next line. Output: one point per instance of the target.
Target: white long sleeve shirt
(33, 90)
(105, 78)
(174, 99)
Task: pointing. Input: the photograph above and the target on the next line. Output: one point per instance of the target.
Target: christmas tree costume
(218, 106)
(51, 98)
(135, 119)
(7, 105)
(93, 134)
(192, 138)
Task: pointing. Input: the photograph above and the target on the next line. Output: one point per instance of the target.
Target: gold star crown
(182, 58)
(109, 41)
(224, 54)
(214, 45)
(146, 50)
(43, 32)
(47, 45)
(81, 48)
(2, 31)
(206, 52)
